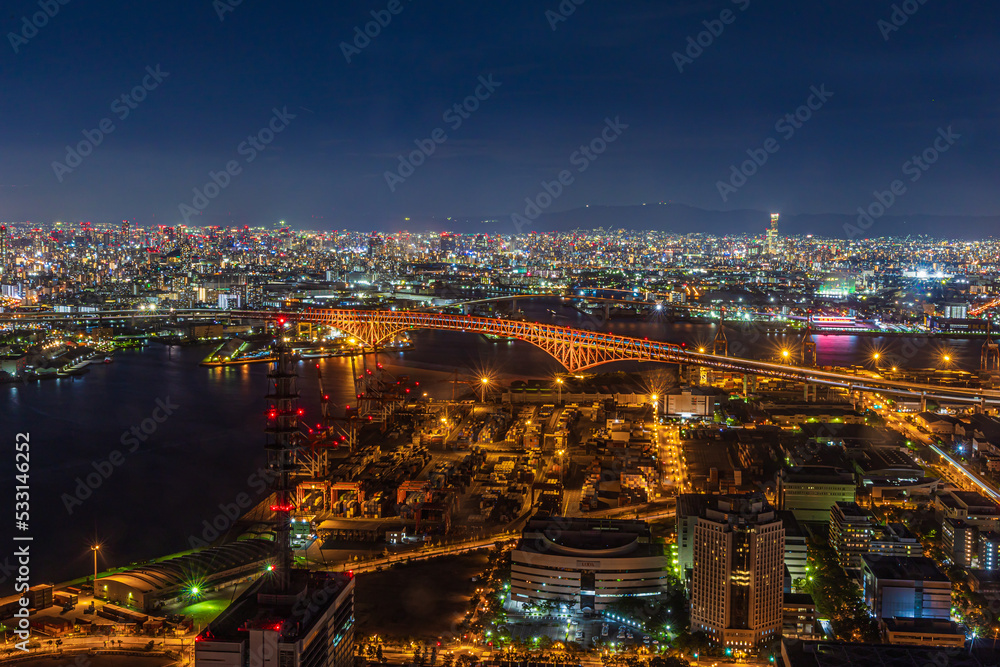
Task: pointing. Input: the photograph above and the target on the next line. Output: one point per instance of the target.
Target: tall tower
(772, 235)
(4, 249)
(126, 238)
(283, 444)
(738, 572)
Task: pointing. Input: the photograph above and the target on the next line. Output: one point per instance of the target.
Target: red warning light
(301, 411)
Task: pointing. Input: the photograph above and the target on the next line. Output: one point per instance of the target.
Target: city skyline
(571, 333)
(442, 112)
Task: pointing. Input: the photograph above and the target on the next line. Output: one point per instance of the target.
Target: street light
(559, 384)
(95, 548)
(485, 382)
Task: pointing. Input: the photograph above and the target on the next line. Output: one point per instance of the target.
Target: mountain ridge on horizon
(685, 219)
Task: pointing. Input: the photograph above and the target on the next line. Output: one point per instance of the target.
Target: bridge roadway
(579, 349)
(575, 349)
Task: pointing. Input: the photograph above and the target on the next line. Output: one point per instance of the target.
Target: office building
(923, 632)
(690, 507)
(587, 564)
(799, 616)
(960, 540)
(905, 587)
(773, 240)
(796, 553)
(810, 491)
(736, 584)
(989, 550)
(850, 533)
(894, 539)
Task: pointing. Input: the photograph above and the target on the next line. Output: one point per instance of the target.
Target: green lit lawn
(205, 611)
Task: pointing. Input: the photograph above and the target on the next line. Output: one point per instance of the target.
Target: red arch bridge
(578, 349)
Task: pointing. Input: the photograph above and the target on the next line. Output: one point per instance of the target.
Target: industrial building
(150, 585)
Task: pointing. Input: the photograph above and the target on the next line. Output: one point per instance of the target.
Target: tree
(668, 661)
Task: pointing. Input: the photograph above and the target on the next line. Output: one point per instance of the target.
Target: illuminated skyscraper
(772, 235)
(737, 578)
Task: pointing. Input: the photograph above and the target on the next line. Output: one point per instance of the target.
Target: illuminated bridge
(579, 350)
(575, 349)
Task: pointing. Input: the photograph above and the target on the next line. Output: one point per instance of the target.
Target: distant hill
(682, 219)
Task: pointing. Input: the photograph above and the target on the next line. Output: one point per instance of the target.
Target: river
(159, 489)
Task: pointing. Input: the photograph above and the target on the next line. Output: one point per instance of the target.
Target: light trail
(975, 480)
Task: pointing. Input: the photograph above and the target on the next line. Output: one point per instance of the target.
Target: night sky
(892, 89)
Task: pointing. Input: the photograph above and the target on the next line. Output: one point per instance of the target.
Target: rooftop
(899, 568)
(263, 606)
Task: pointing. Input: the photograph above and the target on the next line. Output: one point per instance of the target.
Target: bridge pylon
(808, 349)
(990, 358)
(720, 346)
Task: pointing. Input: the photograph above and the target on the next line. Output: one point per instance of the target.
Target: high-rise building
(738, 574)
(690, 507)
(773, 240)
(4, 249)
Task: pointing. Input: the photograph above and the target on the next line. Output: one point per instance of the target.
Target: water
(204, 453)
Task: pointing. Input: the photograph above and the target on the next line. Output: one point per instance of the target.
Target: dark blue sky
(609, 59)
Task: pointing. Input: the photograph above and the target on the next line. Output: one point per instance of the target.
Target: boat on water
(209, 362)
(498, 339)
